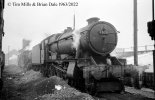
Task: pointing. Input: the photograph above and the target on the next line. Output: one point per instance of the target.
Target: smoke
(31, 44)
(76, 39)
(26, 44)
(27, 48)
(35, 41)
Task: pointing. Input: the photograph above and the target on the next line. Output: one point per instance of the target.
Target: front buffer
(101, 79)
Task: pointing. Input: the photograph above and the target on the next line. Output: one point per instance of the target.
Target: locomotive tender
(82, 57)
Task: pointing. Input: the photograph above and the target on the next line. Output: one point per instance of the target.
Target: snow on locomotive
(82, 57)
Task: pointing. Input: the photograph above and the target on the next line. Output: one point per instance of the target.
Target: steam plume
(26, 44)
(76, 39)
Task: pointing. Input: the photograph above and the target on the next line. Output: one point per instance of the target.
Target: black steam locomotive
(82, 57)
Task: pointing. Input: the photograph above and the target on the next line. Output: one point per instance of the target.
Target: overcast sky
(36, 22)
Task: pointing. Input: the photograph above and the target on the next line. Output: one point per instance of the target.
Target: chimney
(92, 20)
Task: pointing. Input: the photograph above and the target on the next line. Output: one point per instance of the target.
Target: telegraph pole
(153, 10)
(154, 44)
(135, 32)
(151, 31)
